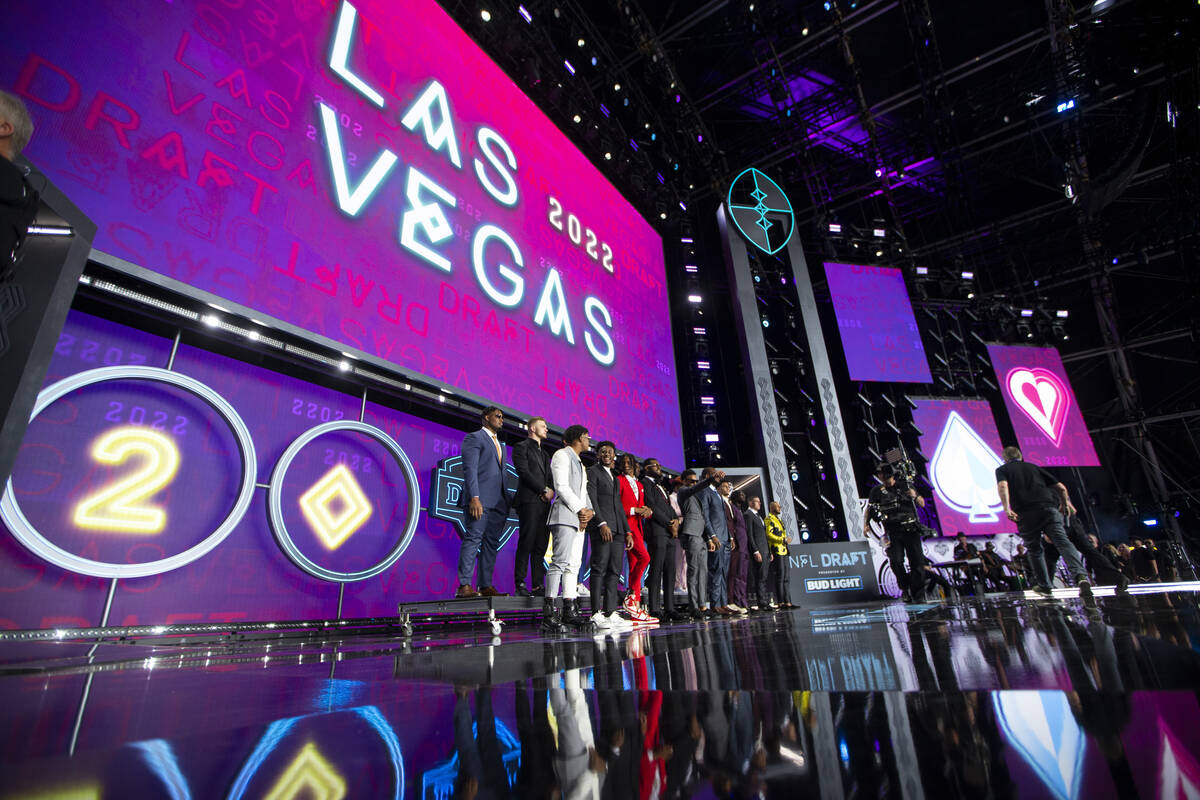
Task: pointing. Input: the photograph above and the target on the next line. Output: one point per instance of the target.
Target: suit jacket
(756, 533)
(533, 471)
(661, 513)
(713, 508)
(692, 508)
(737, 527)
(483, 472)
(632, 497)
(570, 488)
(605, 497)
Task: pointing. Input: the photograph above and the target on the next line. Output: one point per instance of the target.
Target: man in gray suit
(695, 541)
(569, 516)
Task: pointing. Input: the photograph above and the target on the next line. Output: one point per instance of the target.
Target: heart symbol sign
(1043, 397)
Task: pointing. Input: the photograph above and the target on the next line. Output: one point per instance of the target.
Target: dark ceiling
(1048, 147)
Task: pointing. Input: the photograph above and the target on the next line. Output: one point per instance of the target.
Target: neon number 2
(556, 213)
(120, 505)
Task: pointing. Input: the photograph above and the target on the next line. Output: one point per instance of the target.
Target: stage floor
(1003, 696)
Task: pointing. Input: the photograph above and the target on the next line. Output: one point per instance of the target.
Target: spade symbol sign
(963, 471)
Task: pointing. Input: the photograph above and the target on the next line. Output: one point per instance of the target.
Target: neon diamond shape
(309, 775)
(317, 504)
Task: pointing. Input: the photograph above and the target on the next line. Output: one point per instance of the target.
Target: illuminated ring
(29, 536)
(275, 501)
(278, 729)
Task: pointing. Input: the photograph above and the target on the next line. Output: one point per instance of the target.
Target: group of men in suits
(624, 509)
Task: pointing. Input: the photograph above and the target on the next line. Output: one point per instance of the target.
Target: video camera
(898, 511)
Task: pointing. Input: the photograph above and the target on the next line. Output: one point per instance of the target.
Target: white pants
(567, 544)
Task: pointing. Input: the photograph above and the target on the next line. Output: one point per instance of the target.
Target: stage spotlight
(577, 119)
(1062, 313)
(922, 271)
(835, 227)
(524, 12)
(581, 43)
(485, 15)
(712, 437)
(1150, 522)
(694, 298)
(608, 156)
(1026, 312)
(569, 66)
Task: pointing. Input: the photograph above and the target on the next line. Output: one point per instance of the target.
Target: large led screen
(875, 320)
(365, 172)
(215, 491)
(1049, 427)
(960, 439)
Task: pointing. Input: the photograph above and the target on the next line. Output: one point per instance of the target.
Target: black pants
(661, 576)
(756, 588)
(607, 560)
(532, 540)
(907, 543)
(780, 579)
(1103, 569)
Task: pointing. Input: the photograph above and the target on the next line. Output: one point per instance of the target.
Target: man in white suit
(569, 516)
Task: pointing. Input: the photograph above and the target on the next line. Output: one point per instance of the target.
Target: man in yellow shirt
(778, 545)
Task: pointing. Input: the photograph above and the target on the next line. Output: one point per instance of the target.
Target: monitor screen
(1041, 404)
(960, 440)
(875, 319)
(362, 171)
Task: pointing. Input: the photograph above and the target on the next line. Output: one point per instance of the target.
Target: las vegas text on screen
(426, 215)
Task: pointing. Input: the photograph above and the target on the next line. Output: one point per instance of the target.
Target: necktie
(499, 452)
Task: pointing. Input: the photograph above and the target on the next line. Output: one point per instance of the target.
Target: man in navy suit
(716, 526)
(487, 503)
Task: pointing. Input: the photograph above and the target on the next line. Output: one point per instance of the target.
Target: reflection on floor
(1005, 696)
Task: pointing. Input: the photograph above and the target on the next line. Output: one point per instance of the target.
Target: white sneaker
(618, 623)
(600, 622)
(736, 608)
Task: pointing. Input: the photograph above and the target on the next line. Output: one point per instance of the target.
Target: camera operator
(895, 503)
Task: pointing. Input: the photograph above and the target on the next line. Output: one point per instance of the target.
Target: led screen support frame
(758, 374)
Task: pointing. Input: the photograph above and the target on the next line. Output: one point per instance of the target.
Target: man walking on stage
(534, 492)
(487, 504)
(1036, 501)
(569, 517)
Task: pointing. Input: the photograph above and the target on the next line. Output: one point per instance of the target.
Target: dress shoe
(539, 592)
(724, 611)
(465, 591)
(521, 591)
(679, 616)
(491, 591)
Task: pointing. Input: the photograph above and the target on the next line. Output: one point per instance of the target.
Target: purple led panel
(1050, 429)
(365, 172)
(960, 440)
(876, 323)
(345, 498)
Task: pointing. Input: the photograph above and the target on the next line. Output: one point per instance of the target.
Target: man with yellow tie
(486, 501)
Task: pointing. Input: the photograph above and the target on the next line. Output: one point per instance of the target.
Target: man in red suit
(633, 498)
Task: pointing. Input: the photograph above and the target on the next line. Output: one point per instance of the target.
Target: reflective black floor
(1001, 697)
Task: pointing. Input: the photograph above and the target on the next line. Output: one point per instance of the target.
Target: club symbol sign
(752, 197)
(1041, 396)
(962, 471)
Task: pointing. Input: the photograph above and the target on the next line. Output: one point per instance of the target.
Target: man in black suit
(662, 539)
(760, 553)
(535, 491)
(607, 531)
